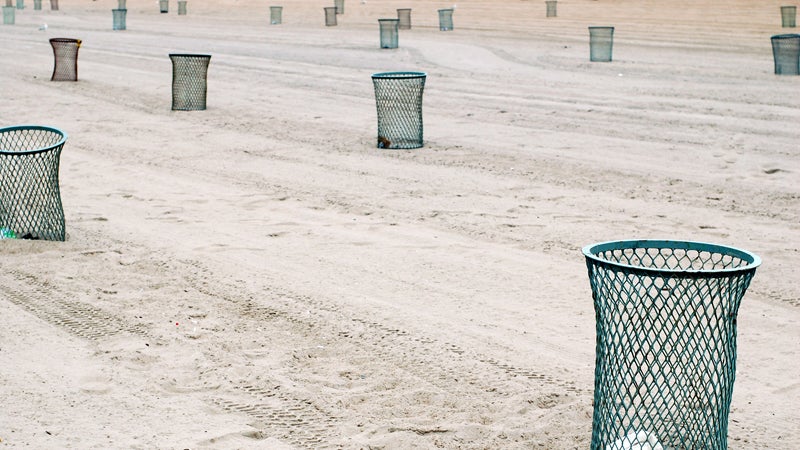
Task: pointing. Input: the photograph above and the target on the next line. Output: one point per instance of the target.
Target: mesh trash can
(275, 15)
(121, 4)
(9, 15)
(54, 5)
(388, 28)
(788, 16)
(786, 52)
(119, 16)
(551, 8)
(37, 5)
(666, 341)
(601, 42)
(9, 3)
(181, 7)
(30, 200)
(163, 6)
(445, 20)
(404, 19)
(398, 97)
(339, 6)
(65, 53)
(189, 74)
(20, 4)
(330, 16)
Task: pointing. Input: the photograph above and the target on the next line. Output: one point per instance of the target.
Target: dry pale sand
(259, 275)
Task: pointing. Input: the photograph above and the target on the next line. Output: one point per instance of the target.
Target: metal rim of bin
(788, 16)
(330, 16)
(446, 19)
(275, 15)
(163, 6)
(181, 7)
(398, 99)
(54, 5)
(30, 199)
(119, 16)
(601, 43)
(551, 8)
(389, 34)
(65, 53)
(9, 15)
(189, 81)
(786, 54)
(666, 341)
(339, 6)
(404, 16)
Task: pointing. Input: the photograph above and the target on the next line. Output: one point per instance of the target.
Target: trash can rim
(65, 40)
(600, 27)
(404, 9)
(34, 127)
(388, 20)
(445, 9)
(590, 252)
(191, 55)
(399, 75)
(786, 36)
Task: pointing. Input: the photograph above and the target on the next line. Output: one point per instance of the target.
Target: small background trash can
(9, 15)
(65, 53)
(666, 341)
(330, 16)
(163, 6)
(388, 28)
(788, 16)
(786, 52)
(30, 200)
(9, 3)
(276, 15)
(181, 7)
(121, 4)
(445, 20)
(119, 16)
(54, 5)
(339, 6)
(551, 8)
(398, 97)
(37, 5)
(189, 81)
(404, 17)
(601, 42)
(20, 4)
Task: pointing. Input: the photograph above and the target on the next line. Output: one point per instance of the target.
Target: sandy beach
(259, 275)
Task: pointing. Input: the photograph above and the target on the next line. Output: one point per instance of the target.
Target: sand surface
(260, 275)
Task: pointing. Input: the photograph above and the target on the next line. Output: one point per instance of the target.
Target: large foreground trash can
(163, 6)
(119, 16)
(551, 8)
(446, 19)
(330, 16)
(404, 17)
(181, 7)
(339, 6)
(65, 53)
(389, 33)
(30, 200)
(786, 53)
(398, 97)
(666, 341)
(189, 81)
(788, 16)
(601, 42)
(54, 5)
(276, 15)
(9, 15)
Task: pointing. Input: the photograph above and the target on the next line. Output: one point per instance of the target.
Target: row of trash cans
(37, 4)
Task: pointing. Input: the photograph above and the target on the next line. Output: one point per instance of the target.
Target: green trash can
(54, 5)
(30, 200)
(181, 7)
(339, 6)
(398, 97)
(189, 81)
(330, 16)
(601, 43)
(446, 19)
(551, 8)
(276, 15)
(20, 4)
(121, 4)
(389, 33)
(119, 16)
(163, 6)
(788, 16)
(786, 53)
(37, 5)
(404, 17)
(9, 15)
(666, 341)
(65, 54)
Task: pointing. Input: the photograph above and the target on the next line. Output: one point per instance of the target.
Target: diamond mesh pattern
(551, 8)
(119, 16)
(30, 200)
(445, 19)
(786, 52)
(404, 16)
(65, 51)
(601, 42)
(788, 16)
(189, 74)
(330, 16)
(398, 96)
(275, 15)
(389, 34)
(9, 15)
(666, 341)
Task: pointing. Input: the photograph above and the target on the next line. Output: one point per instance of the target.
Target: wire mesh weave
(404, 16)
(189, 73)
(275, 15)
(119, 16)
(786, 53)
(551, 8)
(601, 43)
(445, 19)
(30, 200)
(398, 96)
(666, 341)
(65, 51)
(9, 15)
(389, 33)
(788, 16)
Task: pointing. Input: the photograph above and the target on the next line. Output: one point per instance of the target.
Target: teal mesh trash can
(398, 97)
(339, 6)
(189, 81)
(788, 16)
(666, 341)
(786, 53)
(30, 200)
(121, 4)
(389, 33)
(20, 4)
(404, 18)
(275, 15)
(37, 5)
(446, 20)
(54, 5)
(9, 15)
(181, 7)
(330, 16)
(65, 54)
(601, 42)
(163, 6)
(119, 16)
(551, 8)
